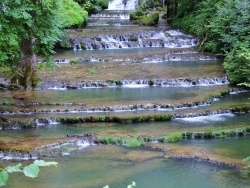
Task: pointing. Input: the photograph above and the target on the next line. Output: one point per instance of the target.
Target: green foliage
(73, 14)
(144, 18)
(247, 159)
(151, 20)
(92, 6)
(28, 29)
(247, 129)
(209, 134)
(31, 170)
(92, 71)
(174, 136)
(5, 102)
(223, 27)
(237, 64)
(109, 140)
(131, 142)
(73, 62)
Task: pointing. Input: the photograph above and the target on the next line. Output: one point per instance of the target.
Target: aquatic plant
(131, 142)
(248, 165)
(174, 136)
(109, 140)
(92, 71)
(31, 170)
(73, 62)
(5, 102)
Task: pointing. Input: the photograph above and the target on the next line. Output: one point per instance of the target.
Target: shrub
(136, 15)
(151, 20)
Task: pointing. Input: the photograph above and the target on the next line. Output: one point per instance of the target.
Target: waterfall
(122, 5)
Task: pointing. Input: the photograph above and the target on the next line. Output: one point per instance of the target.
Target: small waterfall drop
(122, 5)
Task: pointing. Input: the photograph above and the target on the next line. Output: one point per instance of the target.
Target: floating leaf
(3, 177)
(31, 171)
(43, 163)
(16, 168)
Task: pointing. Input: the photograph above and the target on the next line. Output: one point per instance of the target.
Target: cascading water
(122, 5)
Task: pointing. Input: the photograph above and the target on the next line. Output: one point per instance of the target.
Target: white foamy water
(210, 118)
(135, 85)
(122, 5)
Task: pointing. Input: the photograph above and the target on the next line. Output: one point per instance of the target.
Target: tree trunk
(175, 6)
(27, 74)
(168, 9)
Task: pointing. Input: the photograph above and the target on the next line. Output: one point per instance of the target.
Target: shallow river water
(94, 166)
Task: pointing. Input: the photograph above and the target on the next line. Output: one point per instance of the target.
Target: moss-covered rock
(13, 87)
(133, 38)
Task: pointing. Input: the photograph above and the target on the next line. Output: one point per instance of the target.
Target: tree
(223, 27)
(73, 14)
(32, 27)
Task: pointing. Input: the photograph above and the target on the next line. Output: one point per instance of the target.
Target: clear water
(98, 166)
(110, 96)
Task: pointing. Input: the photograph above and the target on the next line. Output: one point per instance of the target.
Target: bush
(150, 20)
(137, 15)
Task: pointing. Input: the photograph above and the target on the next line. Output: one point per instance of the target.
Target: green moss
(131, 142)
(109, 140)
(118, 83)
(209, 135)
(5, 102)
(174, 136)
(83, 46)
(133, 38)
(189, 134)
(198, 135)
(73, 62)
(248, 129)
(150, 20)
(151, 83)
(92, 71)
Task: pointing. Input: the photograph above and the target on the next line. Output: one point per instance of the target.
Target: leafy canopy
(224, 28)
